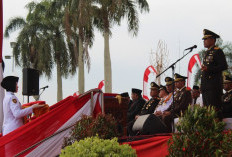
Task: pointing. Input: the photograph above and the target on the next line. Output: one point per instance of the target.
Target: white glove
(37, 106)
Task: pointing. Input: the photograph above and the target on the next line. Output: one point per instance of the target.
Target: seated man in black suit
(137, 104)
(126, 95)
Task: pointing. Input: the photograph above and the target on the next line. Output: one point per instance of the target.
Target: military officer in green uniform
(213, 64)
(182, 99)
(148, 107)
(227, 98)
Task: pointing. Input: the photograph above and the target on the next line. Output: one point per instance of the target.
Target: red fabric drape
(46, 125)
(151, 147)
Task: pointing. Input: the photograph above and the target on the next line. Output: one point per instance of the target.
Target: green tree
(95, 146)
(79, 29)
(25, 52)
(227, 49)
(200, 133)
(109, 13)
(41, 41)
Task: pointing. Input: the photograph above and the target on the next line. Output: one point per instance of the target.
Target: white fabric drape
(52, 146)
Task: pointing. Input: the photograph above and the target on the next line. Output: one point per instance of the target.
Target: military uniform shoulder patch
(14, 100)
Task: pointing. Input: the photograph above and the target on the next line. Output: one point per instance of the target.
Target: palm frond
(14, 24)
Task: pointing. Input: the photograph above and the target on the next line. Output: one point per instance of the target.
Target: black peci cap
(196, 87)
(124, 94)
(137, 91)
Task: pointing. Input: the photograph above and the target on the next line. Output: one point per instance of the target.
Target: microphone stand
(172, 66)
(40, 94)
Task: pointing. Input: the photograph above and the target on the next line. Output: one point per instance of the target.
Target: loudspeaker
(30, 81)
(149, 124)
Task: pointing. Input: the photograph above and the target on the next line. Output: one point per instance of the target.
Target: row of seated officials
(157, 114)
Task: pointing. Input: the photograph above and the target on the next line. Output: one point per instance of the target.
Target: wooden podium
(118, 110)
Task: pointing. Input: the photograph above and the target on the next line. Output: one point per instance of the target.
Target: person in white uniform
(196, 96)
(165, 102)
(12, 110)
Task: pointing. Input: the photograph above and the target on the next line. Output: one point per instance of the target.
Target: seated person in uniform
(164, 105)
(137, 104)
(148, 107)
(13, 113)
(182, 99)
(196, 96)
(227, 98)
(165, 102)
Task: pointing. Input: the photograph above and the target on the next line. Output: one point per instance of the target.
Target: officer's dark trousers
(213, 98)
(130, 132)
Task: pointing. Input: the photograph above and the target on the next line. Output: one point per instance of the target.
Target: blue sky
(179, 23)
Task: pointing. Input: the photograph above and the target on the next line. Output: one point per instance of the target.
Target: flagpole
(2, 92)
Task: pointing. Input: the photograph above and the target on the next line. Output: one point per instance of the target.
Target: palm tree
(43, 31)
(79, 18)
(53, 19)
(227, 49)
(109, 13)
(27, 44)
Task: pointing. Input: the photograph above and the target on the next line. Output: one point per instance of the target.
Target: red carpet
(151, 147)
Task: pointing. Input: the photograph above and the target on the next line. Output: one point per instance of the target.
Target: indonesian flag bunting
(2, 92)
(193, 60)
(76, 94)
(101, 84)
(150, 69)
(47, 132)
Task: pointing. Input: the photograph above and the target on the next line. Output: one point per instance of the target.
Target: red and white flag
(76, 94)
(193, 60)
(1, 70)
(101, 84)
(149, 69)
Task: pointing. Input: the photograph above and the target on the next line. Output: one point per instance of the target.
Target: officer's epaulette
(216, 48)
